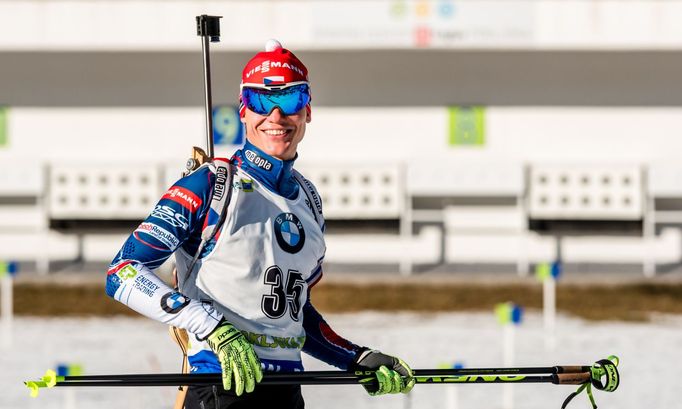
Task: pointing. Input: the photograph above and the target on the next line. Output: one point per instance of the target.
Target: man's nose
(276, 115)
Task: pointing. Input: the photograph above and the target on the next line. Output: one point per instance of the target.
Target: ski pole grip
(573, 378)
(572, 369)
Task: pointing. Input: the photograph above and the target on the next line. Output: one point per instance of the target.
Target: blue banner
(227, 128)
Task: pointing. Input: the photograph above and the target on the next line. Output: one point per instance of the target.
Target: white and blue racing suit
(256, 273)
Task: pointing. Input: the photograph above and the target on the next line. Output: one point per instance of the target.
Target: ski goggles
(289, 100)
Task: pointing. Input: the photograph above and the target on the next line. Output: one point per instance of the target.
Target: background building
(442, 127)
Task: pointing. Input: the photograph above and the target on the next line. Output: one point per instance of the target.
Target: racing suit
(257, 272)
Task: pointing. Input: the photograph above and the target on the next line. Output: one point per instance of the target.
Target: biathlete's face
(276, 134)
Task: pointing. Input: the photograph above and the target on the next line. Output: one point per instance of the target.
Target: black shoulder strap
(312, 198)
(220, 200)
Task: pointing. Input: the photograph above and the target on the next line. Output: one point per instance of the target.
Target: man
(244, 287)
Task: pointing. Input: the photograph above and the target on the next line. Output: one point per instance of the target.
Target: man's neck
(270, 171)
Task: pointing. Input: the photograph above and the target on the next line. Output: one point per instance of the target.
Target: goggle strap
(273, 87)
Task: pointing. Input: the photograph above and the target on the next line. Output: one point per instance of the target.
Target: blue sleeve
(323, 343)
(176, 220)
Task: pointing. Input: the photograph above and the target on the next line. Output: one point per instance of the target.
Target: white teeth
(275, 132)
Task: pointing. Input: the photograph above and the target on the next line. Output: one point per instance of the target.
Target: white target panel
(358, 192)
(21, 179)
(459, 178)
(586, 192)
(103, 191)
(665, 180)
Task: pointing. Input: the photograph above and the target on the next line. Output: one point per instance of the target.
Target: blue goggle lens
(288, 100)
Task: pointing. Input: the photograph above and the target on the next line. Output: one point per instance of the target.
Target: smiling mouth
(276, 132)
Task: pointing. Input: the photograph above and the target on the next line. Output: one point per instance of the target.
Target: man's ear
(242, 109)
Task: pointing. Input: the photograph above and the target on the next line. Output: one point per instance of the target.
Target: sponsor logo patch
(159, 233)
(289, 232)
(173, 302)
(170, 216)
(184, 197)
(243, 184)
(220, 181)
(247, 185)
(127, 272)
(269, 341)
(116, 268)
(257, 160)
(313, 193)
(146, 286)
(266, 65)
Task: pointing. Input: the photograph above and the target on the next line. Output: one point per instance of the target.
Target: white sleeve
(140, 289)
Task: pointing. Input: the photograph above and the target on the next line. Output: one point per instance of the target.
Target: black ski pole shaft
(472, 375)
(204, 377)
(423, 376)
(208, 28)
(314, 381)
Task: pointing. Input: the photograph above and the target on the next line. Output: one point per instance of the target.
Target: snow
(650, 354)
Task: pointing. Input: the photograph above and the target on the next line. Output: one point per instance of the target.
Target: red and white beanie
(273, 68)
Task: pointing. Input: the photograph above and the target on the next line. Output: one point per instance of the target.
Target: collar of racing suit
(274, 173)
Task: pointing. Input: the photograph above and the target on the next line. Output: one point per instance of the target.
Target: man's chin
(279, 152)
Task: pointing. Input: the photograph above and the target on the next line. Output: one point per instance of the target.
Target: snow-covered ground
(650, 357)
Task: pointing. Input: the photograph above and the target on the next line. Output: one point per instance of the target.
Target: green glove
(237, 358)
(393, 374)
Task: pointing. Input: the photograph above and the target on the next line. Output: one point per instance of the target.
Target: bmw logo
(289, 232)
(172, 303)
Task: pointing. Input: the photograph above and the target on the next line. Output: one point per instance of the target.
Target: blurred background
(465, 152)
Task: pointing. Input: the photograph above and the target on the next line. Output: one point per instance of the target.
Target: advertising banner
(467, 126)
(227, 127)
(423, 23)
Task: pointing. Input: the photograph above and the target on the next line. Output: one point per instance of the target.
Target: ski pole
(423, 376)
(558, 375)
(303, 379)
(603, 375)
(422, 373)
(208, 27)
